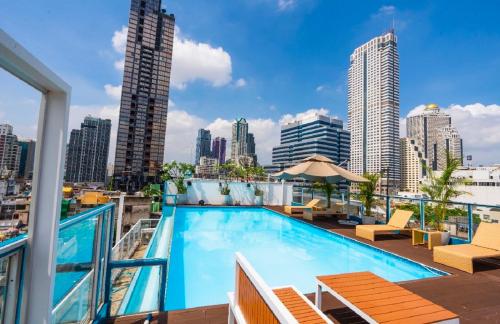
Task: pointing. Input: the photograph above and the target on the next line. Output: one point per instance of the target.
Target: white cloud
(240, 83)
(387, 10)
(193, 61)
(286, 4)
(119, 65)
(119, 40)
(114, 92)
(184, 130)
(478, 125)
(320, 88)
(288, 118)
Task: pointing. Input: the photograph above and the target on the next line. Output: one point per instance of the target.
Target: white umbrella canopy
(319, 168)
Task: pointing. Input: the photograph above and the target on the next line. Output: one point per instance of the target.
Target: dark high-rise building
(203, 142)
(27, 158)
(219, 149)
(315, 134)
(88, 150)
(251, 148)
(144, 102)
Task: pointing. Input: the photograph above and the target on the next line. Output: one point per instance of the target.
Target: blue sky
(267, 60)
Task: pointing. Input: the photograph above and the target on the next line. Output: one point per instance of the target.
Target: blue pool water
(284, 251)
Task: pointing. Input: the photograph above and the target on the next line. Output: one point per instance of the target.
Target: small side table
(433, 237)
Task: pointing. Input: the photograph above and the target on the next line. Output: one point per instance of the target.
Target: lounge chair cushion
(468, 251)
(378, 228)
(487, 236)
(400, 218)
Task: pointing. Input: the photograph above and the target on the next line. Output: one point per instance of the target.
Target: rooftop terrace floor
(476, 298)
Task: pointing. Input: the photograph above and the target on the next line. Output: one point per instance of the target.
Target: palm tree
(328, 189)
(367, 191)
(442, 189)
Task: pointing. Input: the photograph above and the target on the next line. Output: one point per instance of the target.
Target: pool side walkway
(476, 298)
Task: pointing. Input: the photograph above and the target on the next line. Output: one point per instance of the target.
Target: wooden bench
(377, 300)
(254, 302)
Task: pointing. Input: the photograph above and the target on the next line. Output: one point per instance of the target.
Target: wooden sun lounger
(377, 300)
(397, 223)
(485, 244)
(254, 302)
(313, 204)
(334, 210)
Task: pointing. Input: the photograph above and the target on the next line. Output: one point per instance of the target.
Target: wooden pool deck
(475, 298)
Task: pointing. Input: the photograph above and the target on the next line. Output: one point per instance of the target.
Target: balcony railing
(461, 218)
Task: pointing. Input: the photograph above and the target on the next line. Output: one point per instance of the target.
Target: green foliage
(151, 191)
(328, 189)
(258, 191)
(224, 190)
(442, 189)
(367, 191)
(176, 172)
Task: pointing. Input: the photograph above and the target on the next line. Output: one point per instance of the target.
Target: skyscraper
(413, 165)
(203, 142)
(144, 102)
(312, 135)
(449, 144)
(10, 152)
(219, 149)
(425, 128)
(88, 150)
(239, 145)
(27, 160)
(374, 109)
(251, 148)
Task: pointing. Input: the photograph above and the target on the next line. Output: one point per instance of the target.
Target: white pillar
(40, 261)
(45, 207)
(119, 219)
(282, 192)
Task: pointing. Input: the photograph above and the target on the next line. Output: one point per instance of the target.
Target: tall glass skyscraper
(203, 142)
(144, 102)
(312, 135)
(219, 149)
(374, 109)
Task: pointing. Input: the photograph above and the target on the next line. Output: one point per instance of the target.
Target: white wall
(479, 195)
(208, 191)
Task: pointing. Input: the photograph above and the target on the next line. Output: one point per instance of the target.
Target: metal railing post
(387, 209)
(96, 257)
(163, 287)
(107, 284)
(422, 214)
(471, 222)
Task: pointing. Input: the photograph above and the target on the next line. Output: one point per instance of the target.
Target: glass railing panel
(410, 205)
(75, 251)
(75, 306)
(4, 279)
(144, 282)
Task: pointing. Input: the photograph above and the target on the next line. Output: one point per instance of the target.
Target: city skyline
(427, 76)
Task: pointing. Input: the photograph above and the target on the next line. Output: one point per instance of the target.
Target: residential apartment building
(203, 142)
(413, 165)
(10, 152)
(145, 92)
(373, 109)
(449, 144)
(27, 158)
(88, 149)
(316, 134)
(219, 149)
(207, 166)
(426, 128)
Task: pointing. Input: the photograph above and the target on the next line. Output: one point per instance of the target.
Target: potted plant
(441, 189)
(259, 196)
(225, 191)
(176, 172)
(328, 189)
(367, 196)
(153, 191)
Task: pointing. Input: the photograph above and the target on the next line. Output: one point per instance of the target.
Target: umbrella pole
(348, 201)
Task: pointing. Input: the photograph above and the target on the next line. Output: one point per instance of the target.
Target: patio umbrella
(319, 168)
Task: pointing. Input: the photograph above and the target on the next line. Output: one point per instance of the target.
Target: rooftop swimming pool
(283, 250)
